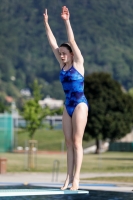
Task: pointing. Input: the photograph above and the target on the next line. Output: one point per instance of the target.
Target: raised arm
(51, 38)
(76, 51)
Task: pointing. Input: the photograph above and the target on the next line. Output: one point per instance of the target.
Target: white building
(25, 92)
(51, 103)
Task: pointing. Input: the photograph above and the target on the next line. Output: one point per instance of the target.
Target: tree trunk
(97, 146)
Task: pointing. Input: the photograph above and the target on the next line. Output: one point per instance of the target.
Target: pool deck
(45, 179)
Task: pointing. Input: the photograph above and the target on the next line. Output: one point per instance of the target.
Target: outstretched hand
(65, 13)
(45, 16)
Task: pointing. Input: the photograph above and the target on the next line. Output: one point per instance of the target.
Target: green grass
(110, 162)
(50, 140)
(47, 139)
(112, 179)
(18, 162)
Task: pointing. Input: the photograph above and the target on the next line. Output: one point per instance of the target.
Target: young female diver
(76, 107)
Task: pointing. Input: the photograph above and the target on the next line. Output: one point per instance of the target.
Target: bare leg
(67, 129)
(79, 120)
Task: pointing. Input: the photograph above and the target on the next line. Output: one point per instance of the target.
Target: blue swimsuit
(73, 85)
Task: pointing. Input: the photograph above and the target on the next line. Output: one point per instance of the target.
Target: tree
(33, 113)
(3, 104)
(130, 91)
(2, 108)
(111, 110)
(106, 44)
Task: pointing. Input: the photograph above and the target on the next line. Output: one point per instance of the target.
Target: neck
(68, 65)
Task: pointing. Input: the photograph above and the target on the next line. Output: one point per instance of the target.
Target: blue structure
(6, 132)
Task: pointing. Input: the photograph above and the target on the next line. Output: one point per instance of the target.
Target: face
(65, 54)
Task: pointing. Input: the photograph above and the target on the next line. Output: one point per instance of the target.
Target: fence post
(3, 162)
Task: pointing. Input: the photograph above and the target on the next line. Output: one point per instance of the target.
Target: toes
(63, 188)
(72, 188)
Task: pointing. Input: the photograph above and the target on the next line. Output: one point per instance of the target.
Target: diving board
(30, 192)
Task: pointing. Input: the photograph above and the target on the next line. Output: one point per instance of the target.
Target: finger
(46, 11)
(63, 8)
(66, 10)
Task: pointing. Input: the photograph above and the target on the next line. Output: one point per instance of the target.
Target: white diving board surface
(30, 192)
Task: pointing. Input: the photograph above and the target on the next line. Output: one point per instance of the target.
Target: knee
(69, 143)
(77, 144)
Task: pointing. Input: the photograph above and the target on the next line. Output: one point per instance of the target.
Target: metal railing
(55, 171)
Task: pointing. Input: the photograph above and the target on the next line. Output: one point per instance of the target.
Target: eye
(63, 53)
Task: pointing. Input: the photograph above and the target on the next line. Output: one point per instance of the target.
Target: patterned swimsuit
(73, 86)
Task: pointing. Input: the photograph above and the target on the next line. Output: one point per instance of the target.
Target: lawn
(109, 162)
(50, 140)
(53, 140)
(112, 179)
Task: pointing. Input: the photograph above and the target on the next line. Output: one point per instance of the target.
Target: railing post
(55, 171)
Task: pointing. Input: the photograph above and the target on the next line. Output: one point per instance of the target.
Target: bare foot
(67, 182)
(75, 184)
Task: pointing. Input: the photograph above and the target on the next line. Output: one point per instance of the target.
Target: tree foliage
(3, 104)
(2, 107)
(111, 110)
(131, 92)
(33, 113)
(105, 37)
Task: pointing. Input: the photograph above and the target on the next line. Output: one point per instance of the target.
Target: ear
(72, 53)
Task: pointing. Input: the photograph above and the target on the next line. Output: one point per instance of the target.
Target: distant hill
(103, 30)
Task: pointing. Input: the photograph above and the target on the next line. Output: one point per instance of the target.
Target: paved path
(46, 179)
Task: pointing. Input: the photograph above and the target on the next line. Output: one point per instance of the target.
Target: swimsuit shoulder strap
(63, 66)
